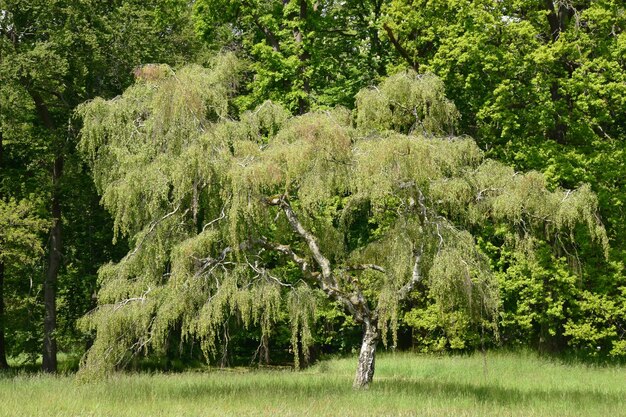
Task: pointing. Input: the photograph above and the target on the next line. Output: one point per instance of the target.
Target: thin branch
(400, 49)
(265, 273)
(149, 232)
(141, 299)
(363, 267)
(213, 262)
(221, 217)
(286, 250)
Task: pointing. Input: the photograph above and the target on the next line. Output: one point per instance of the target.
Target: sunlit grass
(405, 384)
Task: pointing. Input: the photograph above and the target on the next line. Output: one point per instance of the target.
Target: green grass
(405, 384)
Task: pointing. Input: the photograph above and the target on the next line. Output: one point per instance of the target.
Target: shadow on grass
(497, 395)
(574, 357)
(264, 388)
(66, 365)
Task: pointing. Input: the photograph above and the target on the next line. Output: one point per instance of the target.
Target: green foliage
(407, 102)
(229, 217)
(598, 327)
(538, 93)
(537, 84)
(20, 231)
(537, 299)
(56, 54)
(302, 53)
(434, 331)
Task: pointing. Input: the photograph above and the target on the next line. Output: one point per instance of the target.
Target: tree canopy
(56, 54)
(337, 116)
(234, 216)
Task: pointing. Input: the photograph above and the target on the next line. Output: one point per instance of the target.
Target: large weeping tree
(246, 216)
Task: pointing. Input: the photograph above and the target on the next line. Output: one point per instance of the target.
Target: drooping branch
(217, 219)
(264, 272)
(151, 229)
(209, 262)
(141, 299)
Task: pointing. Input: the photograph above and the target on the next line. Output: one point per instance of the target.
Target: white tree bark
(367, 357)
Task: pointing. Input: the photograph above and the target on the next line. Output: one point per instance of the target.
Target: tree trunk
(264, 357)
(49, 363)
(400, 49)
(3, 356)
(303, 102)
(365, 369)
(559, 16)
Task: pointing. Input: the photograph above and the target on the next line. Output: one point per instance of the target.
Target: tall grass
(405, 384)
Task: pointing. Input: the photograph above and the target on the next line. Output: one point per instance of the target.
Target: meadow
(500, 384)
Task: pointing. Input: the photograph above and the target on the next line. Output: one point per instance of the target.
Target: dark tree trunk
(3, 355)
(559, 16)
(49, 363)
(367, 358)
(264, 357)
(224, 362)
(303, 102)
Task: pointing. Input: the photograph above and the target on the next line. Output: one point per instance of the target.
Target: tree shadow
(497, 395)
(314, 389)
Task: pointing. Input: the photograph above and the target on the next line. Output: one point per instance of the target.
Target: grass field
(404, 384)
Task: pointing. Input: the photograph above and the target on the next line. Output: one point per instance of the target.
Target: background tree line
(539, 85)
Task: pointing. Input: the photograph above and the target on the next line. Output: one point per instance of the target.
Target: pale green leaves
(407, 103)
(155, 142)
(379, 209)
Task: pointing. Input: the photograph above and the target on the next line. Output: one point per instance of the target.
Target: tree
(537, 84)
(229, 217)
(20, 244)
(303, 53)
(56, 54)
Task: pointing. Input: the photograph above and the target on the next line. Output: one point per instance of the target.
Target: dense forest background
(540, 85)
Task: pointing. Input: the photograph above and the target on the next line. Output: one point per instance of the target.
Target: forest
(266, 183)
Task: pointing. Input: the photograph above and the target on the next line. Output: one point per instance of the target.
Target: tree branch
(269, 35)
(122, 303)
(220, 217)
(399, 48)
(263, 272)
(355, 302)
(363, 267)
(416, 275)
(320, 259)
(286, 250)
(208, 261)
(149, 232)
